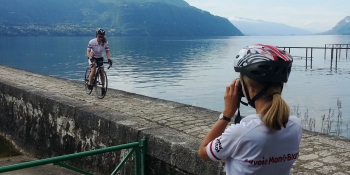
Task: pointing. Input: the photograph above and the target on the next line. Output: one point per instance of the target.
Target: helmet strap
(262, 92)
(251, 102)
(246, 93)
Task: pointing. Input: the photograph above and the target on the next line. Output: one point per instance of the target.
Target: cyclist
(264, 143)
(95, 49)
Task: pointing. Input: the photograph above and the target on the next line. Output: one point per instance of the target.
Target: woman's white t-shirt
(251, 148)
(97, 49)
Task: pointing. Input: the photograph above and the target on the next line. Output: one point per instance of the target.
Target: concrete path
(323, 154)
(319, 154)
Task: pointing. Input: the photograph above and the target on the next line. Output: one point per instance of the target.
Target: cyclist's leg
(99, 62)
(93, 71)
(101, 89)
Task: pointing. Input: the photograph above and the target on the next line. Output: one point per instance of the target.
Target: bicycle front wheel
(101, 84)
(86, 81)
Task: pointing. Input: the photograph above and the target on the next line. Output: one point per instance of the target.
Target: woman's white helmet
(264, 63)
(101, 32)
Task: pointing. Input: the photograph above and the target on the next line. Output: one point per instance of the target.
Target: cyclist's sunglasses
(100, 36)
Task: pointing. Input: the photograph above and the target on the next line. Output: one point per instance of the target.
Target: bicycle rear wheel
(86, 81)
(101, 84)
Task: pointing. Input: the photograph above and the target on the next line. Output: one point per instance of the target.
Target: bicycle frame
(99, 82)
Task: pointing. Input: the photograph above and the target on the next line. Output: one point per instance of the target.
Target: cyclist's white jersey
(96, 49)
(251, 148)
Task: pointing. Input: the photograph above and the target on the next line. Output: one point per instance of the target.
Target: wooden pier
(334, 48)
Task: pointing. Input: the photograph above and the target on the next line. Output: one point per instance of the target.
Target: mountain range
(264, 28)
(134, 18)
(118, 17)
(341, 28)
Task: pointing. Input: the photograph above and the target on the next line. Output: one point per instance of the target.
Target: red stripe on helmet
(276, 51)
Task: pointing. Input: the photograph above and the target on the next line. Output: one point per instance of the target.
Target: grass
(330, 124)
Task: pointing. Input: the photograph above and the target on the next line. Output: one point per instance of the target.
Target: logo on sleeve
(218, 145)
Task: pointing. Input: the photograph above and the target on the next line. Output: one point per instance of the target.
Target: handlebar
(104, 62)
(108, 63)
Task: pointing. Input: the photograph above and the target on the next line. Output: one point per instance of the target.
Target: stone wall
(46, 117)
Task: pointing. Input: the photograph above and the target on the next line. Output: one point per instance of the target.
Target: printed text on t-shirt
(284, 158)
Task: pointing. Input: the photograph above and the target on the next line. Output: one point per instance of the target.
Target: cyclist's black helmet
(264, 63)
(100, 31)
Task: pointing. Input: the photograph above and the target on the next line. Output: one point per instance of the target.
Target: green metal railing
(139, 148)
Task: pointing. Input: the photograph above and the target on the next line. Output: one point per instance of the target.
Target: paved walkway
(319, 154)
(323, 154)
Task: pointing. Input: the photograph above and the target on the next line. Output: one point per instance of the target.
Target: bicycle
(97, 82)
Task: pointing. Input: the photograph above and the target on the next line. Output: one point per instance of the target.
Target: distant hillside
(264, 28)
(118, 17)
(342, 28)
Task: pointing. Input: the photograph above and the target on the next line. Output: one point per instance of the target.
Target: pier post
(325, 48)
(336, 54)
(306, 58)
(331, 57)
(311, 57)
(347, 47)
(336, 58)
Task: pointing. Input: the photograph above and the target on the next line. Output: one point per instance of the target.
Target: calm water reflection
(194, 71)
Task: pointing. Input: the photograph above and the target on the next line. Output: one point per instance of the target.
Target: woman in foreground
(264, 143)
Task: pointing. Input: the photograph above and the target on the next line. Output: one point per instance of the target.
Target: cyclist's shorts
(99, 61)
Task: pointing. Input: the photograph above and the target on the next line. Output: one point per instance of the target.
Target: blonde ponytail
(276, 112)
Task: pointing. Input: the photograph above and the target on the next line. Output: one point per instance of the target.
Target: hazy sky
(319, 15)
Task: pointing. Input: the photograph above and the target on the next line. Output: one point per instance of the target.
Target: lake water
(196, 71)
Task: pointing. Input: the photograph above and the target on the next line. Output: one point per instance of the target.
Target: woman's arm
(231, 103)
(88, 53)
(215, 132)
(108, 54)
